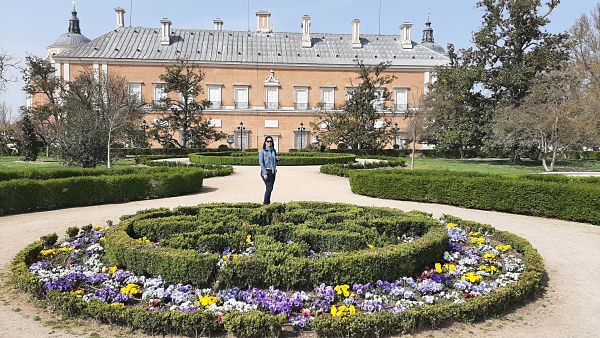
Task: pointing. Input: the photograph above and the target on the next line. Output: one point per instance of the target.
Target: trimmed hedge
(210, 170)
(259, 324)
(287, 159)
(568, 198)
(122, 152)
(34, 190)
(343, 169)
(584, 155)
(184, 234)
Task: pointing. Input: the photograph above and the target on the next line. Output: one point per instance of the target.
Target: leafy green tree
(40, 80)
(456, 115)
(183, 115)
(355, 124)
(29, 141)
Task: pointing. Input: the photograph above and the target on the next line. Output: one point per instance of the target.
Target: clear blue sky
(29, 26)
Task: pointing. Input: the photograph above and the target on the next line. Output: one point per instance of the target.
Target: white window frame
(214, 89)
(305, 139)
(328, 105)
(401, 99)
(158, 92)
(134, 88)
(271, 97)
(240, 104)
(379, 102)
(298, 105)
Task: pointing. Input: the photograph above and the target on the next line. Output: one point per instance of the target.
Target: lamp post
(301, 130)
(241, 129)
(395, 130)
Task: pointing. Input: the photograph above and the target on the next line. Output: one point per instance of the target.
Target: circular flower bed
(481, 272)
(282, 245)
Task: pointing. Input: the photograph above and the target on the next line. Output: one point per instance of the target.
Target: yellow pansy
(48, 252)
(79, 293)
(487, 268)
(438, 267)
(450, 267)
(489, 255)
(132, 289)
(451, 225)
(207, 300)
(471, 277)
(475, 233)
(477, 240)
(143, 240)
(371, 246)
(343, 289)
(248, 238)
(502, 248)
(352, 309)
(66, 249)
(117, 305)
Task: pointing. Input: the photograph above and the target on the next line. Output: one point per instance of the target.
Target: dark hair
(265, 142)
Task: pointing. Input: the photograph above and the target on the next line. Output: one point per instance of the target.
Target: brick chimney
(356, 34)
(218, 24)
(262, 20)
(306, 41)
(120, 12)
(165, 33)
(405, 39)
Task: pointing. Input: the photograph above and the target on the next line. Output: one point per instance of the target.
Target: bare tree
(550, 116)
(8, 131)
(104, 101)
(417, 115)
(7, 63)
(585, 41)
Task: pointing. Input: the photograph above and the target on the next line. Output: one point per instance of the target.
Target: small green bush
(569, 198)
(338, 169)
(254, 324)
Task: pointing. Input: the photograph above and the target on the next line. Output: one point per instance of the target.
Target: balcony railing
(328, 106)
(401, 107)
(271, 105)
(215, 105)
(301, 106)
(241, 105)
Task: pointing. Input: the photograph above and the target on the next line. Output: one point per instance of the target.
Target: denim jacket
(264, 162)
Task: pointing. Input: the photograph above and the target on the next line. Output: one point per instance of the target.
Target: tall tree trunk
(461, 151)
(414, 147)
(553, 159)
(108, 152)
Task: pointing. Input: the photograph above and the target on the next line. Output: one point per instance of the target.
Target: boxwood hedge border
(256, 324)
(343, 170)
(36, 190)
(553, 196)
(187, 266)
(288, 159)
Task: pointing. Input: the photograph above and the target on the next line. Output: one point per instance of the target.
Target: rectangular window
(271, 98)
(215, 123)
(401, 140)
(379, 102)
(159, 93)
(241, 98)
(214, 96)
(301, 99)
(301, 139)
(401, 99)
(328, 98)
(349, 93)
(241, 140)
(135, 91)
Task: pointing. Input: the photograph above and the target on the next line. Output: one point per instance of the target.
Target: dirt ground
(571, 253)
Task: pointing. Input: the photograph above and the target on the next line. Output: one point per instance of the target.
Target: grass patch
(502, 166)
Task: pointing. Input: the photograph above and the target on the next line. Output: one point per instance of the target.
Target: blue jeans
(269, 182)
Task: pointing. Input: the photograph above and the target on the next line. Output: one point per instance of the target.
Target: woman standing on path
(267, 159)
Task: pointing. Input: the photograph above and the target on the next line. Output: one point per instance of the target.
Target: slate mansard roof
(240, 47)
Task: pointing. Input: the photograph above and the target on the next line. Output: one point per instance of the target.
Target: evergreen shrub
(563, 197)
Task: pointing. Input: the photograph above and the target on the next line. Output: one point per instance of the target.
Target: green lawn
(502, 166)
(43, 162)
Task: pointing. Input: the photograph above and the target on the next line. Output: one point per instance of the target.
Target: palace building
(260, 83)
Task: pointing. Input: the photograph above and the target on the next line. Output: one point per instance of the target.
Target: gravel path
(571, 252)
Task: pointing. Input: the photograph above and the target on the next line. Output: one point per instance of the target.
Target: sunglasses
(268, 141)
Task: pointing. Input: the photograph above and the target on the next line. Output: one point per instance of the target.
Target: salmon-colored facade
(277, 97)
